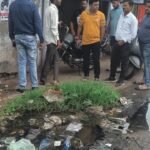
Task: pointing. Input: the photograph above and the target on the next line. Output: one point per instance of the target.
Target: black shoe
(110, 79)
(120, 83)
(42, 82)
(20, 90)
(34, 88)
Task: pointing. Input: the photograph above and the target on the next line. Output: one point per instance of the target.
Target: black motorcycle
(71, 53)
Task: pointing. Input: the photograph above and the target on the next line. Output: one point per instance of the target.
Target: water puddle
(21, 128)
(141, 120)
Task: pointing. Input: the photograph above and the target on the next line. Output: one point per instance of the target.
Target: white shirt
(51, 33)
(126, 28)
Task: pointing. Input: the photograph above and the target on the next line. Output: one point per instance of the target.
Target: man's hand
(59, 44)
(41, 46)
(78, 40)
(13, 43)
(120, 43)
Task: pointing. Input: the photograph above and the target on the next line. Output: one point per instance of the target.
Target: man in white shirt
(51, 35)
(126, 31)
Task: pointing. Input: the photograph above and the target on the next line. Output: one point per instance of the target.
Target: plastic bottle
(68, 143)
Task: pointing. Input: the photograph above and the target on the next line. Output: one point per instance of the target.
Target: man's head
(56, 2)
(84, 4)
(127, 6)
(115, 3)
(147, 7)
(94, 5)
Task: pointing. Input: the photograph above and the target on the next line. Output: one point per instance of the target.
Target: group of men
(88, 23)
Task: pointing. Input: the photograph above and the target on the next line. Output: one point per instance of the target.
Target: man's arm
(72, 28)
(80, 26)
(54, 25)
(134, 28)
(38, 24)
(11, 24)
(102, 26)
(79, 30)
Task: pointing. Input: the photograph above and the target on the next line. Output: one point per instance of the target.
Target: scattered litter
(32, 121)
(46, 143)
(53, 119)
(74, 127)
(33, 133)
(68, 143)
(22, 144)
(57, 143)
(1, 146)
(47, 126)
(7, 140)
(125, 128)
(108, 144)
(124, 101)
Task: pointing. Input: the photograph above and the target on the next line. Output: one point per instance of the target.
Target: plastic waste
(22, 144)
(46, 143)
(74, 127)
(68, 143)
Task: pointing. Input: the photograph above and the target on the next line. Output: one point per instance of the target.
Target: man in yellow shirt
(92, 23)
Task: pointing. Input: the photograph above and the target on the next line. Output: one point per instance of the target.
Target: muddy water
(20, 127)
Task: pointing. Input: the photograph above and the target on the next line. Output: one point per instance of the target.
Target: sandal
(143, 87)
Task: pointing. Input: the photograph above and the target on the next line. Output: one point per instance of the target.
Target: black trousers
(95, 49)
(51, 60)
(119, 54)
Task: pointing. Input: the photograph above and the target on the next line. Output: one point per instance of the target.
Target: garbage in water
(33, 133)
(46, 143)
(124, 101)
(74, 127)
(96, 110)
(53, 119)
(22, 144)
(57, 143)
(7, 140)
(47, 126)
(68, 142)
(53, 96)
(118, 124)
(108, 144)
(76, 143)
(32, 121)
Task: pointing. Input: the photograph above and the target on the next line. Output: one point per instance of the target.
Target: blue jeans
(145, 50)
(27, 53)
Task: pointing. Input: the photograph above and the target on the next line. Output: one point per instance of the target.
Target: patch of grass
(78, 96)
(29, 101)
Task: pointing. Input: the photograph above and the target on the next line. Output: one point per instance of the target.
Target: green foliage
(29, 101)
(79, 95)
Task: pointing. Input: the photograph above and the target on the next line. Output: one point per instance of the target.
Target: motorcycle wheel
(130, 72)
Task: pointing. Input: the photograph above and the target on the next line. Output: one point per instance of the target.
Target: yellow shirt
(91, 26)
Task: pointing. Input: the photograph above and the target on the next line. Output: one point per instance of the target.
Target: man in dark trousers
(126, 31)
(92, 22)
(24, 24)
(51, 35)
(144, 42)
